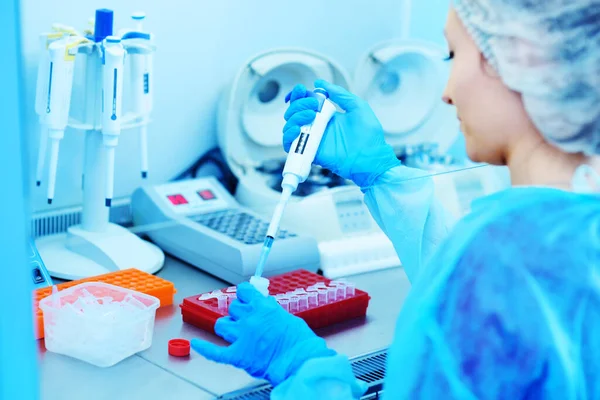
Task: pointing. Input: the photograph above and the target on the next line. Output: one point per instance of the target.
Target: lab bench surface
(153, 374)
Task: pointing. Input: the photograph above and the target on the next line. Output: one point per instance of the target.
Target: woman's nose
(446, 99)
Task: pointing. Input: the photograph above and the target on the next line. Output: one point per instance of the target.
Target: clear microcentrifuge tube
(313, 299)
(285, 303)
(341, 288)
(322, 295)
(350, 289)
(222, 301)
(231, 289)
(294, 304)
(206, 296)
(340, 291)
(302, 302)
(331, 294)
(230, 298)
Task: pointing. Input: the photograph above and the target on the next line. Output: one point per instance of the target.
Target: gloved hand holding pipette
(353, 145)
(297, 166)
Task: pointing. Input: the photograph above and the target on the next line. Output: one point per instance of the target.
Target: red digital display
(177, 199)
(207, 195)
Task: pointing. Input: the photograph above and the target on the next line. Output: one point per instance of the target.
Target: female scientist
(506, 305)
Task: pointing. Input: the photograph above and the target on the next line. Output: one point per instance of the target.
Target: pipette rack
(204, 313)
(132, 279)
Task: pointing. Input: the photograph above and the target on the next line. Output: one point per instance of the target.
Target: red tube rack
(204, 313)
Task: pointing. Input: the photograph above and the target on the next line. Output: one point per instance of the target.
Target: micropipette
(297, 167)
(41, 95)
(112, 89)
(60, 83)
(141, 85)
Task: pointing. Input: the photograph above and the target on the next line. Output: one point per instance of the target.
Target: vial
(285, 303)
(294, 304)
(340, 291)
(222, 302)
(322, 296)
(331, 294)
(350, 289)
(206, 296)
(230, 298)
(231, 289)
(261, 284)
(313, 299)
(302, 302)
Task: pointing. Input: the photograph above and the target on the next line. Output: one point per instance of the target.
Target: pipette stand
(96, 246)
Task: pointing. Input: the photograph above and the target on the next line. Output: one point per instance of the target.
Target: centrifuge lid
(250, 123)
(403, 81)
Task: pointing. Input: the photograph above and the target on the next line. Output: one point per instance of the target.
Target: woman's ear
(487, 68)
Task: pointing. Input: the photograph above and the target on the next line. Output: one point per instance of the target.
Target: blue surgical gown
(503, 305)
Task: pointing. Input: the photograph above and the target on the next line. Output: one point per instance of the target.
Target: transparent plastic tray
(98, 323)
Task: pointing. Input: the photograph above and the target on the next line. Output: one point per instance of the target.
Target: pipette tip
(144, 174)
(49, 201)
(38, 183)
(107, 202)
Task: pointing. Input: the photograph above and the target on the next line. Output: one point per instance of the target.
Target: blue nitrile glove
(353, 145)
(266, 341)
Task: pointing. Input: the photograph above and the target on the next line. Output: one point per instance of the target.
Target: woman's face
(492, 116)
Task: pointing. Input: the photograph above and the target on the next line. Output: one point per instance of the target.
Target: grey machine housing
(218, 236)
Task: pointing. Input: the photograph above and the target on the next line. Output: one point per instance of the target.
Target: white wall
(201, 44)
(428, 18)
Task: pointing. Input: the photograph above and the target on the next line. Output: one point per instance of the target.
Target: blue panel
(18, 368)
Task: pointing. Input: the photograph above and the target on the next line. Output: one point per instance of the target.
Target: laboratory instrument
(297, 169)
(307, 295)
(142, 85)
(98, 323)
(42, 92)
(201, 223)
(94, 66)
(60, 82)
(39, 274)
(132, 279)
(325, 206)
(113, 64)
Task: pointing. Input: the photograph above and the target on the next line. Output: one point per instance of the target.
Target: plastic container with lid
(98, 323)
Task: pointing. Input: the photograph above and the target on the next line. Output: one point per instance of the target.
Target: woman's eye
(450, 56)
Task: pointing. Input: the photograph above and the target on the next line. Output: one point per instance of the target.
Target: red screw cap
(179, 347)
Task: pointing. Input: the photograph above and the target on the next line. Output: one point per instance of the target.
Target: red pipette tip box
(204, 313)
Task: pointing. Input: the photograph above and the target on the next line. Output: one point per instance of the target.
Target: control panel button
(177, 199)
(206, 194)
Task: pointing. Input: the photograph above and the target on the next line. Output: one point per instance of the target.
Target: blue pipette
(286, 193)
(264, 254)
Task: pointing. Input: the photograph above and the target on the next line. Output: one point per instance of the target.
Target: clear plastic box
(98, 323)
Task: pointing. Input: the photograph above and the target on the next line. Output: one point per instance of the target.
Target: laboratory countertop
(153, 374)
